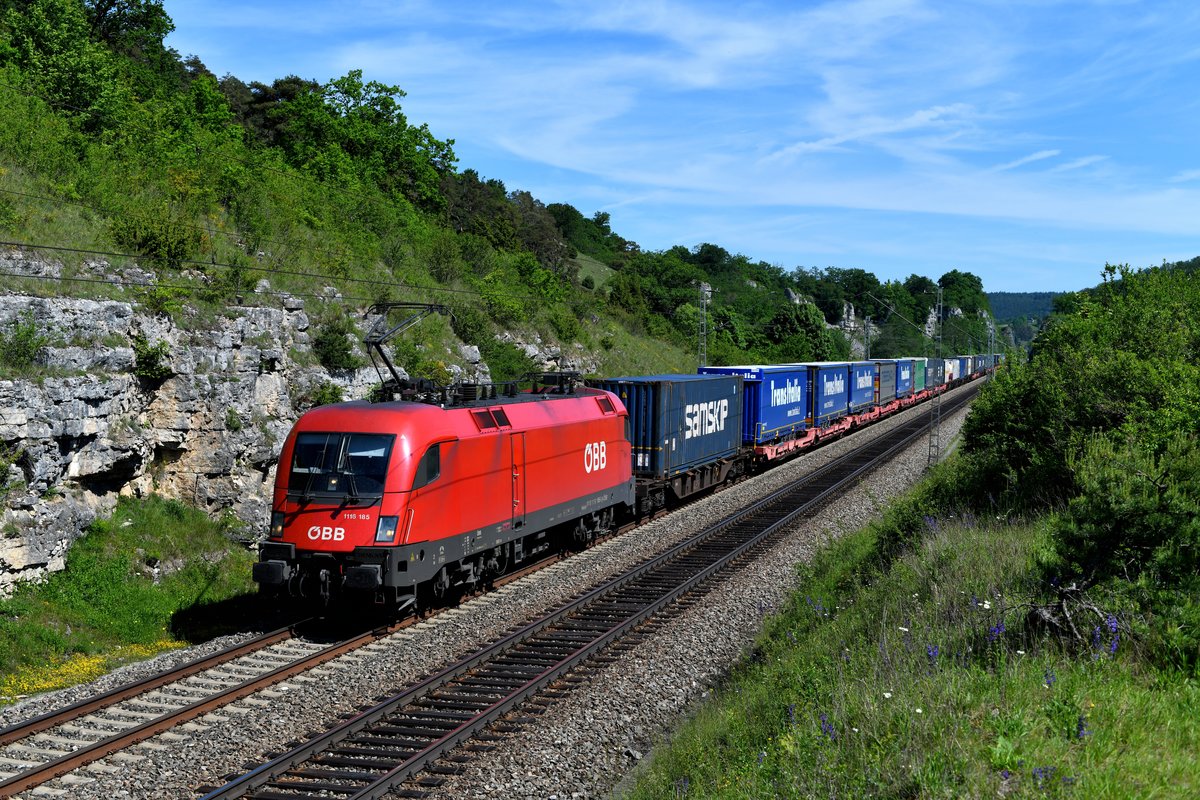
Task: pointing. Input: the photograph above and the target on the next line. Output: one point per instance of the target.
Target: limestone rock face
(86, 429)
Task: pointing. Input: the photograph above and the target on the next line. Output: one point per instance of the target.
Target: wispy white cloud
(1185, 176)
(1029, 159)
(1079, 163)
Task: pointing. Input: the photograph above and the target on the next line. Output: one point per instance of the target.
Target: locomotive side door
(518, 480)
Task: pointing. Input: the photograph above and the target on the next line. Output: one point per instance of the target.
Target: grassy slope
(137, 584)
(903, 684)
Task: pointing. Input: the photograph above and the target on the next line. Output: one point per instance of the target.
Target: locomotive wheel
(440, 584)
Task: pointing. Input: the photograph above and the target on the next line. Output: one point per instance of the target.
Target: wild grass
(922, 679)
(117, 599)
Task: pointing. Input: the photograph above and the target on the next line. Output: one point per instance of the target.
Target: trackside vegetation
(130, 589)
(1024, 623)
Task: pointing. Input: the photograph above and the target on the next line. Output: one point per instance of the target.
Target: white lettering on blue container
(835, 384)
(864, 380)
(791, 392)
(701, 419)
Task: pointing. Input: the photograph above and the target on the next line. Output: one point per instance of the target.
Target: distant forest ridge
(1021, 305)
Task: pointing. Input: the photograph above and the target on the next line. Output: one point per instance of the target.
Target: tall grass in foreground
(923, 680)
(118, 597)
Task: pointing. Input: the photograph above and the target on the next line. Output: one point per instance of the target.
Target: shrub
(1136, 512)
(150, 360)
(565, 324)
(506, 361)
(325, 394)
(22, 346)
(332, 346)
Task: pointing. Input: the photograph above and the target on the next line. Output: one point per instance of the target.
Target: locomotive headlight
(386, 532)
(276, 525)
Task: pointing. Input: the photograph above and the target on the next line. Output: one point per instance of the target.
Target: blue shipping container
(678, 422)
(774, 400)
(862, 385)
(935, 373)
(904, 377)
(964, 366)
(830, 391)
(885, 382)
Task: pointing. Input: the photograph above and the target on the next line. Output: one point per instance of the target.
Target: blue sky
(1026, 141)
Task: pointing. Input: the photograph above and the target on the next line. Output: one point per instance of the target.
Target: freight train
(403, 502)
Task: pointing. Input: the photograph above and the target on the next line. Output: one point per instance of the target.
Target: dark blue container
(862, 385)
(885, 382)
(830, 391)
(775, 400)
(965, 366)
(678, 422)
(935, 373)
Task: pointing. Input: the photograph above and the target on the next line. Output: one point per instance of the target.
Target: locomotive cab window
(429, 468)
(349, 465)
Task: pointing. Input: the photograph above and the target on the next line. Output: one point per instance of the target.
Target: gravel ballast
(582, 746)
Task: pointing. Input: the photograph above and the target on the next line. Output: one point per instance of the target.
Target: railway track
(405, 742)
(38, 750)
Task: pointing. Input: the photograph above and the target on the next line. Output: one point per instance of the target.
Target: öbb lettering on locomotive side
(402, 502)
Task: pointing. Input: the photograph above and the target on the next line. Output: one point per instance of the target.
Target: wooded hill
(116, 149)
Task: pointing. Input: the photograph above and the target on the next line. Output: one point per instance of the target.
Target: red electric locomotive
(387, 500)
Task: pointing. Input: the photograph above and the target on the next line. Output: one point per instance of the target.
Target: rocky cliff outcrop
(87, 426)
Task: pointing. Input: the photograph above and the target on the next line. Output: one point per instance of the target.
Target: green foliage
(150, 359)
(506, 361)
(124, 583)
(1137, 514)
(9, 482)
(332, 345)
(497, 290)
(470, 324)
(22, 344)
(1124, 361)
(233, 420)
(565, 324)
(325, 394)
(163, 301)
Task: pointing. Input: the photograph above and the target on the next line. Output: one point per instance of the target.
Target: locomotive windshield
(348, 465)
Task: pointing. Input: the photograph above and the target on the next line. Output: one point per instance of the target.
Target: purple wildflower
(1081, 728)
(827, 727)
(995, 631)
(932, 651)
(1005, 774)
(792, 714)
(1112, 623)
(1049, 678)
(1043, 774)
(762, 754)
(1112, 646)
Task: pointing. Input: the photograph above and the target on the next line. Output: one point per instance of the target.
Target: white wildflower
(887, 695)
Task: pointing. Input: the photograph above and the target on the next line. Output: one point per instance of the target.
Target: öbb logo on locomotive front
(324, 533)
